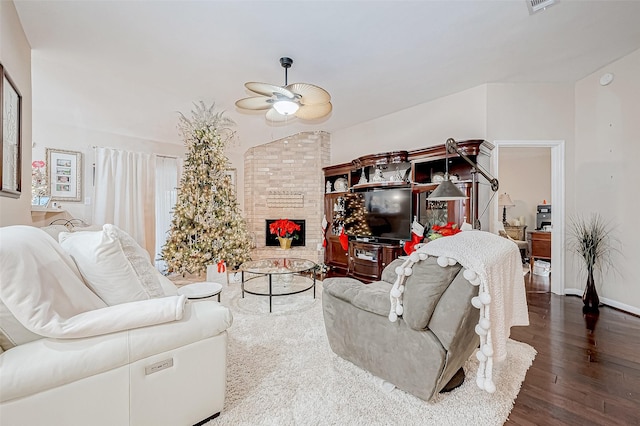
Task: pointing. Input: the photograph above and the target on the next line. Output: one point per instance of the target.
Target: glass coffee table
(278, 277)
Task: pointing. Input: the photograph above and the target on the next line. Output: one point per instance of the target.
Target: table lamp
(505, 201)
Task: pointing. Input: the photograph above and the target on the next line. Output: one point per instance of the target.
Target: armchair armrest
(372, 297)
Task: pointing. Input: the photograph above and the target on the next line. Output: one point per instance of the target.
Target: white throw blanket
(44, 291)
(493, 263)
(497, 262)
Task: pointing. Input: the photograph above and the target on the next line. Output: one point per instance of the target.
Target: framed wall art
(10, 137)
(64, 171)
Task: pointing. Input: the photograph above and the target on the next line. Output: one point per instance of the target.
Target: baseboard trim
(605, 301)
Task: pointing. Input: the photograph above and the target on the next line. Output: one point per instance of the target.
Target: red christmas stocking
(417, 231)
(324, 231)
(344, 240)
(409, 246)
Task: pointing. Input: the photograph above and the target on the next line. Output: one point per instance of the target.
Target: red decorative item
(443, 231)
(221, 267)
(409, 246)
(284, 228)
(344, 240)
(417, 234)
(324, 231)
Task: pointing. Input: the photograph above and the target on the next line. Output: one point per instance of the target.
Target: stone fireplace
(283, 180)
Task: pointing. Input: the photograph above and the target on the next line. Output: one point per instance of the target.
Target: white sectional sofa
(70, 358)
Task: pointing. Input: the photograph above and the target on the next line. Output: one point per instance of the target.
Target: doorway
(557, 200)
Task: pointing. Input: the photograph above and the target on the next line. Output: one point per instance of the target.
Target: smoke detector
(536, 6)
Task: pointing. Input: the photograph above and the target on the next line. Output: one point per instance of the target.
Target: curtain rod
(175, 157)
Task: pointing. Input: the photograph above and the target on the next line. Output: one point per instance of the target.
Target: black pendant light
(447, 191)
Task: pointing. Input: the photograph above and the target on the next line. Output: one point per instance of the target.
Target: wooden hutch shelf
(414, 169)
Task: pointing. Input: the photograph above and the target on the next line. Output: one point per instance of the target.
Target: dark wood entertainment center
(367, 255)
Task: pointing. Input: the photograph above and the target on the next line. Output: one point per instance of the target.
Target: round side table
(202, 290)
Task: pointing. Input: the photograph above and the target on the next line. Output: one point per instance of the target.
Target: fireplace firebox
(271, 240)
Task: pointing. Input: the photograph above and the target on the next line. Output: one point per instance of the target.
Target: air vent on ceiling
(535, 6)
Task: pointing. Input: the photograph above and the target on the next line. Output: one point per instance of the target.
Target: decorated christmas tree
(356, 211)
(207, 227)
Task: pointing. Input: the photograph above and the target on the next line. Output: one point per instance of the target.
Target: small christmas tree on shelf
(356, 213)
(207, 227)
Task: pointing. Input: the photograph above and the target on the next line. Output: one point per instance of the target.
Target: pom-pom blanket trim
(485, 353)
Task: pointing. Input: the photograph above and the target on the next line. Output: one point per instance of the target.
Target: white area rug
(281, 371)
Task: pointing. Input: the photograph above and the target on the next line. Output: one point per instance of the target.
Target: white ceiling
(129, 66)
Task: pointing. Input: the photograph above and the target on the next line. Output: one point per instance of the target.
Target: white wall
(525, 174)
(15, 55)
(460, 116)
(49, 134)
(607, 171)
(537, 113)
(533, 112)
(64, 125)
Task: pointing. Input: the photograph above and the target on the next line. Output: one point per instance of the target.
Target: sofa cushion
(423, 289)
(113, 265)
(454, 330)
(372, 297)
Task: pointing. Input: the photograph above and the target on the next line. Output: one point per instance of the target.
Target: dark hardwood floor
(587, 370)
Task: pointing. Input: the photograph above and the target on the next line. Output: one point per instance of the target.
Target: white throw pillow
(113, 265)
(148, 275)
(169, 288)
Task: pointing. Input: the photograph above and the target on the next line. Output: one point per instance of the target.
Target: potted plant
(284, 230)
(590, 238)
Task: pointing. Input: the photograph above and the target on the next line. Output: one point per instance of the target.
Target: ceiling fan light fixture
(286, 107)
(284, 103)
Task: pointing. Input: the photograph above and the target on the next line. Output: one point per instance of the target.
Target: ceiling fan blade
(310, 112)
(255, 103)
(311, 94)
(267, 89)
(274, 116)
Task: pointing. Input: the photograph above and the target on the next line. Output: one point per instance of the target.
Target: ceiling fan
(303, 100)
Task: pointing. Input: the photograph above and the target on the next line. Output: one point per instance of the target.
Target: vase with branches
(590, 238)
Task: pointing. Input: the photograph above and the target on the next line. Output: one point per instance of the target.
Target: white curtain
(124, 193)
(166, 197)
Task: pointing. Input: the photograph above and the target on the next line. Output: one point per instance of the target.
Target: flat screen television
(382, 213)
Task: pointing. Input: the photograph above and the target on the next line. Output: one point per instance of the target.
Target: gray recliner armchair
(424, 350)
